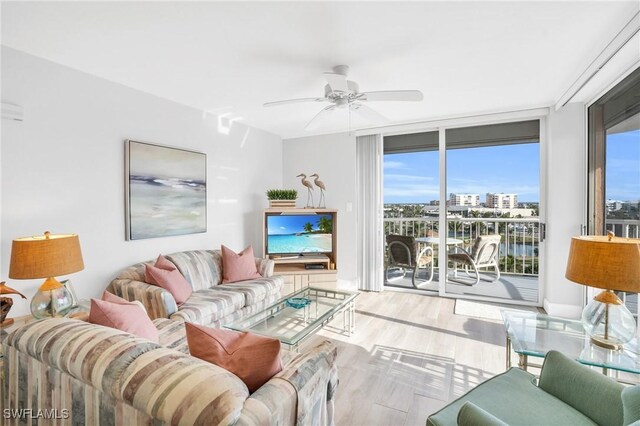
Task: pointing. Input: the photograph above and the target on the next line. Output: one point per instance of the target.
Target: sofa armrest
(265, 266)
(591, 393)
(314, 375)
(472, 415)
(158, 302)
(631, 405)
(303, 392)
(274, 403)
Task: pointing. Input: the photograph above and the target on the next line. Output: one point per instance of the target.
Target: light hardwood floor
(409, 356)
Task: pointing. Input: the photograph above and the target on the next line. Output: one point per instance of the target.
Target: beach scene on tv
(299, 234)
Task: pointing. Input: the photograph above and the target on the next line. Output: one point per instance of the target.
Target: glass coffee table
(299, 315)
(532, 334)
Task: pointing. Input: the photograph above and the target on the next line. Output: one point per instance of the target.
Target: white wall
(566, 192)
(333, 158)
(63, 168)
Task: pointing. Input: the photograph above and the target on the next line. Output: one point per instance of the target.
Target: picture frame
(165, 191)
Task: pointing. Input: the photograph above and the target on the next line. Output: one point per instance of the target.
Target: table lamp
(611, 263)
(46, 256)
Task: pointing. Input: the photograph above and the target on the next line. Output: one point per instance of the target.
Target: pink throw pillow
(254, 359)
(123, 316)
(110, 297)
(164, 263)
(170, 280)
(238, 267)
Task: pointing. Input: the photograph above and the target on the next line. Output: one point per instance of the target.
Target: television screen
(299, 234)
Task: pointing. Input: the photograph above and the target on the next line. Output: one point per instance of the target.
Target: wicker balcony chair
(483, 254)
(403, 254)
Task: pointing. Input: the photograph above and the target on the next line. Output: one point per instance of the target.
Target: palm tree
(308, 227)
(325, 225)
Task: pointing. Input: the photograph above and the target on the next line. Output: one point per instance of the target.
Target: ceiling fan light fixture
(342, 102)
(345, 94)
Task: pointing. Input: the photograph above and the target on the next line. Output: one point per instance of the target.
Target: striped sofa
(85, 374)
(211, 303)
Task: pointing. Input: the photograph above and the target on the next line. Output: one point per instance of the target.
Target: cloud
(393, 177)
(283, 227)
(394, 165)
(411, 190)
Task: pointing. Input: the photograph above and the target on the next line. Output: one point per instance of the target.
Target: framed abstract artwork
(166, 191)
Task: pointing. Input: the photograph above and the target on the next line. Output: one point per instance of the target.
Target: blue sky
(623, 166)
(290, 224)
(414, 177)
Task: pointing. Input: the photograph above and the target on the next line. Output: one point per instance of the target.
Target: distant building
(501, 201)
(434, 202)
(614, 205)
(464, 199)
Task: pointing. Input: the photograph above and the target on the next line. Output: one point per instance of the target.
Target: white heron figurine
(309, 186)
(319, 184)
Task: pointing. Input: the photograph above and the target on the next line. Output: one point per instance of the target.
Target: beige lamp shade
(610, 263)
(45, 256)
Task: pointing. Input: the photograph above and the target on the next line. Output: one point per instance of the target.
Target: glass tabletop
(535, 334)
(290, 322)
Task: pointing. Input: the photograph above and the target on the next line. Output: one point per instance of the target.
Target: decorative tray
(298, 302)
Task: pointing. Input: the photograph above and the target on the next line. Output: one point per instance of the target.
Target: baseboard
(349, 285)
(562, 310)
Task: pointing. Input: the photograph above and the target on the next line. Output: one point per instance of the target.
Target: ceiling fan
(342, 93)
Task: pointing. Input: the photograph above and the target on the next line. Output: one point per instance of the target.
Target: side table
(532, 334)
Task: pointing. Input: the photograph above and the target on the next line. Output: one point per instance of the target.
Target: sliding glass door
(452, 206)
(411, 208)
(614, 165)
(493, 224)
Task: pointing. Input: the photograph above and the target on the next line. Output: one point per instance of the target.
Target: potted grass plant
(282, 198)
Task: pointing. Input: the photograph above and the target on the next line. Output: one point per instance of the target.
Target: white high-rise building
(501, 200)
(464, 199)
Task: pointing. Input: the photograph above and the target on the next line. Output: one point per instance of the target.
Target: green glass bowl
(298, 302)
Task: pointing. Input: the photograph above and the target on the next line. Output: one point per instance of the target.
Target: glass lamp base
(608, 322)
(51, 303)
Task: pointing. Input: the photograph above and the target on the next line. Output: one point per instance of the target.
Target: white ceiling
(230, 57)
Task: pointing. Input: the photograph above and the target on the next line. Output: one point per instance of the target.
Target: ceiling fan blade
(337, 82)
(313, 123)
(368, 113)
(392, 95)
(293, 101)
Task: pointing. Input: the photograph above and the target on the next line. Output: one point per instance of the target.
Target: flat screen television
(299, 234)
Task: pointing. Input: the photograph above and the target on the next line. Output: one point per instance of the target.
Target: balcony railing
(628, 228)
(520, 237)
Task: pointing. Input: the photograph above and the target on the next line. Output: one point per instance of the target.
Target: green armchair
(567, 393)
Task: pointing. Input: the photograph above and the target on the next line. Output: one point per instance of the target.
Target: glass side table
(531, 334)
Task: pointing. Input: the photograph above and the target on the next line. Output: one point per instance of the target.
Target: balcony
(628, 228)
(518, 256)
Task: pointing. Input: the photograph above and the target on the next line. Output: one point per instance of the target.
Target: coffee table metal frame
(534, 334)
(303, 321)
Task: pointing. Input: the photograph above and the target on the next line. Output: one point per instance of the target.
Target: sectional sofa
(83, 373)
(212, 302)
